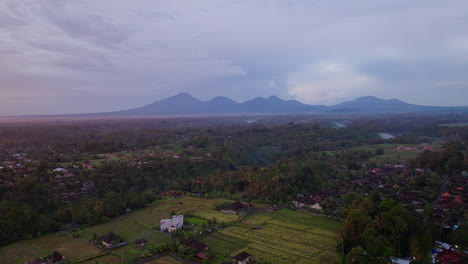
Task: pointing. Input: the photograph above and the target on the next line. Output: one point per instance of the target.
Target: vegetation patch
(165, 260)
(195, 221)
(386, 152)
(284, 236)
(220, 216)
(461, 124)
(71, 248)
(224, 244)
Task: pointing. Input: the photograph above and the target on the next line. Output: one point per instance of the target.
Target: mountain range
(185, 104)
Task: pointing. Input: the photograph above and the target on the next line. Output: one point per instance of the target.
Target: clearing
(394, 155)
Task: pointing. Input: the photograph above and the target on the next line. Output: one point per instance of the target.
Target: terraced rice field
(284, 236)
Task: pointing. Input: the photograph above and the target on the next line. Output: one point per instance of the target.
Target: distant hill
(184, 104)
(374, 104)
(178, 104)
(274, 104)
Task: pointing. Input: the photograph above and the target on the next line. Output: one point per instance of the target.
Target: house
(401, 148)
(427, 148)
(60, 170)
(55, 258)
(69, 176)
(58, 177)
(88, 184)
(88, 187)
(419, 170)
(304, 201)
(316, 207)
(399, 261)
(66, 177)
(170, 225)
(87, 164)
(196, 246)
(110, 240)
(201, 256)
(446, 195)
(241, 258)
(458, 199)
(196, 159)
(273, 208)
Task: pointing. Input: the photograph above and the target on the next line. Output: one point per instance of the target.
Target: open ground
(284, 236)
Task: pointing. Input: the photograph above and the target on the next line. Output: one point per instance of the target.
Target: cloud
(83, 25)
(328, 83)
(314, 51)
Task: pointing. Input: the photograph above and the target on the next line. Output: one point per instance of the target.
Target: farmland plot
(284, 236)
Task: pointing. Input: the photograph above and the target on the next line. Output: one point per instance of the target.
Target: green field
(96, 159)
(284, 236)
(461, 124)
(391, 154)
(165, 260)
(140, 223)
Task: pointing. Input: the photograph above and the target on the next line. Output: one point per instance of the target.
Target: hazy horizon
(66, 57)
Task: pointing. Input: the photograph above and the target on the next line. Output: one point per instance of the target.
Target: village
(239, 212)
(396, 182)
(392, 180)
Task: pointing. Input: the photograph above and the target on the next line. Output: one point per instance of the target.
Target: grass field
(197, 222)
(461, 124)
(137, 224)
(96, 159)
(24, 251)
(165, 260)
(391, 154)
(284, 236)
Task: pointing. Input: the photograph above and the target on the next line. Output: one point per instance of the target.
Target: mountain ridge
(186, 104)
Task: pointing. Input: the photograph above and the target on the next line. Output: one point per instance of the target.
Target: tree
(379, 151)
(357, 255)
(355, 223)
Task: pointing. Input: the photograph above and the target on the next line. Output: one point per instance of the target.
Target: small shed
(110, 239)
(241, 258)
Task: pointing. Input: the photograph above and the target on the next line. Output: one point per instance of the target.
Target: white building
(61, 170)
(399, 260)
(176, 222)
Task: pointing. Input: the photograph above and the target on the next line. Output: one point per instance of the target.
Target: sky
(62, 56)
